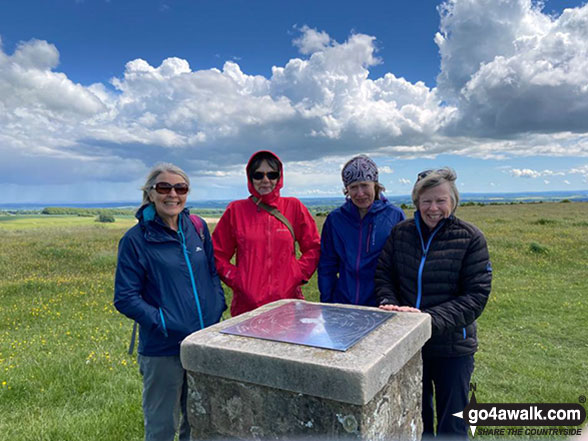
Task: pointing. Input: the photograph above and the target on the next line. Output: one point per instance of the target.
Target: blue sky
(93, 93)
(96, 38)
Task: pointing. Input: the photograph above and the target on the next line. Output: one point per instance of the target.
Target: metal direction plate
(312, 324)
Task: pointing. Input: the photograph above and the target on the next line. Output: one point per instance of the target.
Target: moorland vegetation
(64, 369)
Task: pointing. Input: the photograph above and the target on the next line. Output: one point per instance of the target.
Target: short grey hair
(162, 167)
(433, 178)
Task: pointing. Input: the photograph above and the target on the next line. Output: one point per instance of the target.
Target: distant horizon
(581, 196)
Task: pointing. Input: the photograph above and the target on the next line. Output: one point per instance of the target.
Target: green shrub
(544, 221)
(537, 248)
(88, 212)
(105, 218)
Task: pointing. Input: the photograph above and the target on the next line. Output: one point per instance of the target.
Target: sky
(93, 93)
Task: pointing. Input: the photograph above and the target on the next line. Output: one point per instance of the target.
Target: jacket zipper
(192, 280)
(357, 263)
(163, 322)
(422, 265)
(424, 258)
(370, 238)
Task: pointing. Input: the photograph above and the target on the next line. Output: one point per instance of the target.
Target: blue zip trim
(464, 334)
(194, 290)
(420, 281)
(417, 221)
(163, 322)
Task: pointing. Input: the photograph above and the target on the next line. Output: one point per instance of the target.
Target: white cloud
(30, 90)
(385, 170)
(552, 173)
(581, 170)
(324, 104)
(525, 173)
(474, 33)
(35, 55)
(534, 174)
(511, 69)
(311, 40)
(404, 181)
(512, 80)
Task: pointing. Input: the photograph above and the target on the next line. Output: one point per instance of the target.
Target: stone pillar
(249, 388)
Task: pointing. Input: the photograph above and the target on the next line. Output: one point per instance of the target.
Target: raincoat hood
(274, 195)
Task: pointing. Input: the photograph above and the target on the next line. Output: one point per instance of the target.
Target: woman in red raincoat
(266, 268)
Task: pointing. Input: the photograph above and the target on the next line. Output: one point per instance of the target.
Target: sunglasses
(166, 188)
(272, 176)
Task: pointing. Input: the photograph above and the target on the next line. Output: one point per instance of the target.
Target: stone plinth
(248, 388)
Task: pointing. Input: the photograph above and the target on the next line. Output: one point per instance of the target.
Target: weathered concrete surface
(227, 409)
(248, 388)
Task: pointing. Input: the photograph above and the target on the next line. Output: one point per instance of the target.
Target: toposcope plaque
(312, 324)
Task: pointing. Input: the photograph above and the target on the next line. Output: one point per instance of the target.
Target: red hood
(272, 197)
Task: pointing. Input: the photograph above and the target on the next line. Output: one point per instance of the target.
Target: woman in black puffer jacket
(438, 264)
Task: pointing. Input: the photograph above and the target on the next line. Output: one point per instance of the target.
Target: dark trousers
(164, 398)
(450, 379)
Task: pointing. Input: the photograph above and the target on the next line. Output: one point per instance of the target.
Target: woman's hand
(397, 308)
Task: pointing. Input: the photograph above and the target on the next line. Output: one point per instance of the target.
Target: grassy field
(65, 373)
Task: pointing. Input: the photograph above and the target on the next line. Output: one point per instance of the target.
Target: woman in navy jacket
(353, 236)
(166, 281)
(439, 264)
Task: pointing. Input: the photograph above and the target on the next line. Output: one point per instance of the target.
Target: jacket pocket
(293, 277)
(234, 278)
(178, 323)
(298, 273)
(162, 318)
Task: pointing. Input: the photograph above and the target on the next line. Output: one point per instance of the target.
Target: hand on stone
(397, 308)
(389, 307)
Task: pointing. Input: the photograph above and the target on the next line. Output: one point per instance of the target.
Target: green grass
(533, 345)
(27, 222)
(65, 373)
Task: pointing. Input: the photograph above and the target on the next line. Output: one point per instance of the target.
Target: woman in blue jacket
(353, 236)
(166, 281)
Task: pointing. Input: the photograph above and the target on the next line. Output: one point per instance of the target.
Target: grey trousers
(164, 398)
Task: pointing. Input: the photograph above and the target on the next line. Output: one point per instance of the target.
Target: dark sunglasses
(166, 188)
(272, 176)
